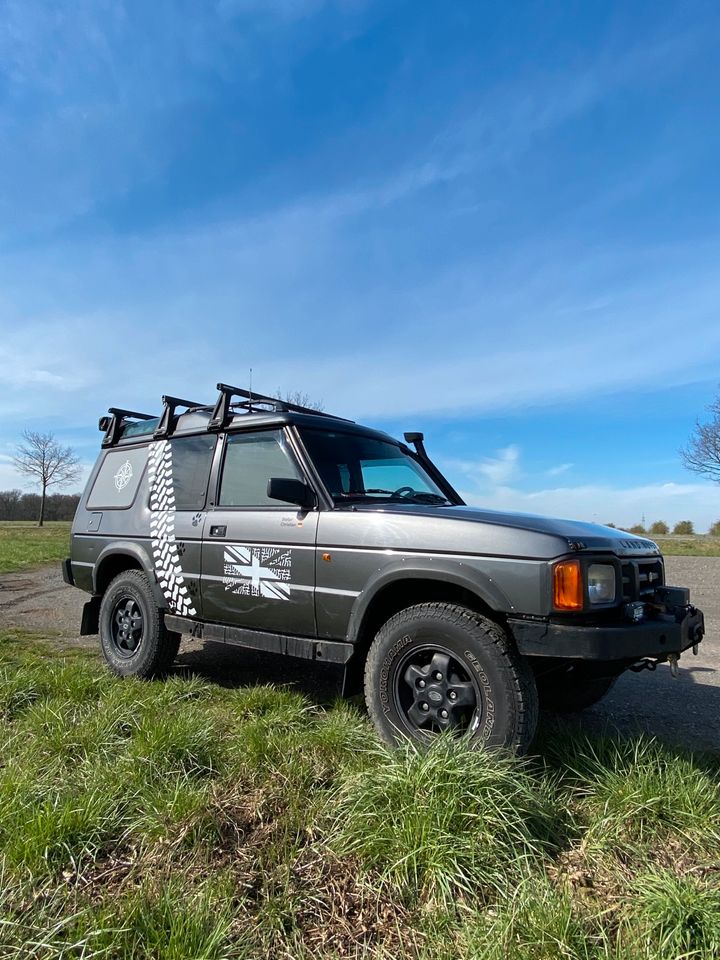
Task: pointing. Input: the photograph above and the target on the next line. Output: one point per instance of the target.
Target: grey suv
(273, 527)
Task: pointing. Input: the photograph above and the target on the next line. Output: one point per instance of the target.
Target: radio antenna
(250, 390)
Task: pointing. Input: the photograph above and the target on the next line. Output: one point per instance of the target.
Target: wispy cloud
(497, 470)
(623, 506)
(559, 469)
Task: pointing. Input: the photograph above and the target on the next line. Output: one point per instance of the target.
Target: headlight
(601, 583)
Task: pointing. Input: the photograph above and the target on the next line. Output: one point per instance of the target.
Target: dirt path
(684, 710)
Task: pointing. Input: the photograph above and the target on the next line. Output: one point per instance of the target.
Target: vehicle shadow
(682, 711)
(230, 666)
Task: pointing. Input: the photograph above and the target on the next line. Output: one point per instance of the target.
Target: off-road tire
(506, 710)
(568, 692)
(157, 647)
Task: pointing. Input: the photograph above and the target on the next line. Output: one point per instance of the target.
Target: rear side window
(250, 460)
(191, 461)
(118, 479)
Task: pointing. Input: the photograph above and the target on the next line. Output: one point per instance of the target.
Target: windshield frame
(430, 474)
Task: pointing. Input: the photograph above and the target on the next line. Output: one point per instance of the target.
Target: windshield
(359, 468)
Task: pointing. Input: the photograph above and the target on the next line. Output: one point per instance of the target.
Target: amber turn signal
(567, 585)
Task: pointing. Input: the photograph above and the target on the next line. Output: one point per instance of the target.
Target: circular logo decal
(124, 475)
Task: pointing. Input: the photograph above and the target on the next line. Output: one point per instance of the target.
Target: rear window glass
(191, 461)
(118, 479)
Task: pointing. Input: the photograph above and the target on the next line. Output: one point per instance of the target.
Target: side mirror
(291, 491)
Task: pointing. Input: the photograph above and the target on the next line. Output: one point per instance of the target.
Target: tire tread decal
(162, 530)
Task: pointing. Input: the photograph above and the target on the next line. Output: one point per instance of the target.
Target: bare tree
(702, 453)
(301, 399)
(46, 462)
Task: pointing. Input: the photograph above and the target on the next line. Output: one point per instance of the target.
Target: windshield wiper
(417, 496)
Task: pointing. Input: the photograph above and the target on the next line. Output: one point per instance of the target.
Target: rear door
(258, 555)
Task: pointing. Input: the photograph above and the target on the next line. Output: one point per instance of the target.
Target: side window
(250, 460)
(191, 461)
(118, 479)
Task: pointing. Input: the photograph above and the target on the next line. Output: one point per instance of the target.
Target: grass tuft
(638, 791)
(445, 823)
(672, 917)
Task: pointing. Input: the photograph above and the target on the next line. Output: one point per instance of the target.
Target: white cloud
(699, 502)
(559, 469)
(497, 470)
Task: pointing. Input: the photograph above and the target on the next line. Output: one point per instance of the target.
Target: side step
(330, 651)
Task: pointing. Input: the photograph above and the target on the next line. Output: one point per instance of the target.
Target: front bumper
(667, 633)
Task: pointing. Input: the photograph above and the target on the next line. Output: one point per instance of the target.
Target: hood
(592, 536)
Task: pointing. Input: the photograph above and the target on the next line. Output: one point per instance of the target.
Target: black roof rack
(113, 424)
(222, 411)
(170, 404)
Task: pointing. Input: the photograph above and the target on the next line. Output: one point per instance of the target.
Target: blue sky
(494, 222)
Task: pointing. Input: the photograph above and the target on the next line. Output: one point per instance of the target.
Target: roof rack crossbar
(222, 411)
(113, 424)
(170, 404)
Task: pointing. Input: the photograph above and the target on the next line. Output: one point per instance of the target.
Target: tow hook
(644, 665)
(648, 664)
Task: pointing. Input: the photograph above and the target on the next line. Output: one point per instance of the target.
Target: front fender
(444, 570)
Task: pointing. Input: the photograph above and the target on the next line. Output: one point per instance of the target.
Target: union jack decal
(257, 572)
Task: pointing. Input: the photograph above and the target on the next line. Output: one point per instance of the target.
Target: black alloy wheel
(434, 693)
(126, 627)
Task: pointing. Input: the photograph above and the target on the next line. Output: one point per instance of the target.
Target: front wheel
(441, 667)
(133, 637)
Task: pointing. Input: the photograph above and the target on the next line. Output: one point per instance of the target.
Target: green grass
(178, 819)
(701, 545)
(25, 545)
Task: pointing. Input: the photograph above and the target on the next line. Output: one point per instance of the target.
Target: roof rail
(170, 404)
(113, 424)
(222, 410)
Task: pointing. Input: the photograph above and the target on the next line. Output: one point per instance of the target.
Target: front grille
(640, 578)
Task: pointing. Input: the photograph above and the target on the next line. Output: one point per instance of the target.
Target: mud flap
(90, 622)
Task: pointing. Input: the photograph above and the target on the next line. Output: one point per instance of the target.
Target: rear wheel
(133, 637)
(440, 667)
(572, 688)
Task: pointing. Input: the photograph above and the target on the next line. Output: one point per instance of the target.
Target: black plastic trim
(284, 644)
(67, 574)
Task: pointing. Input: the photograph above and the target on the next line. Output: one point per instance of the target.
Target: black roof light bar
(113, 424)
(170, 404)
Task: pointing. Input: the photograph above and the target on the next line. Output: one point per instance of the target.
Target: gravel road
(685, 710)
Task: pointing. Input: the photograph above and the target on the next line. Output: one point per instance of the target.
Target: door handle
(218, 531)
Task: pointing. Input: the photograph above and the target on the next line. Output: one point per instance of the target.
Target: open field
(701, 545)
(24, 545)
(183, 819)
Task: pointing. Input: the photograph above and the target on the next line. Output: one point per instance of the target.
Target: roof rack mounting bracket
(221, 410)
(113, 424)
(170, 404)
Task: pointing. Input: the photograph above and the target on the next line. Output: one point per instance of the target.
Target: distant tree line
(683, 528)
(16, 505)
